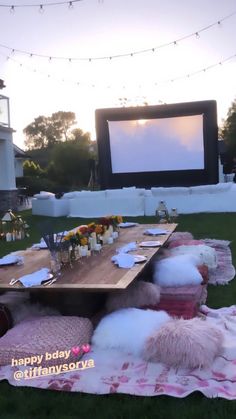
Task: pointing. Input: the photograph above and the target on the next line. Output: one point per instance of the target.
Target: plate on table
(140, 258)
(150, 244)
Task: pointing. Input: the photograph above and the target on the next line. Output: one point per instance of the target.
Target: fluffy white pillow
(206, 253)
(128, 329)
(177, 271)
(44, 195)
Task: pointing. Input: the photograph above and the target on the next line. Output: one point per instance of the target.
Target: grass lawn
(24, 403)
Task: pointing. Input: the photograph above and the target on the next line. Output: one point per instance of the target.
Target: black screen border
(208, 175)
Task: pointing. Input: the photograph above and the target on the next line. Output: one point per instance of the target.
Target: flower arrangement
(111, 220)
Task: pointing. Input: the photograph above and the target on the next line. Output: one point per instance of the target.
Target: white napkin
(127, 248)
(155, 231)
(123, 260)
(35, 278)
(125, 225)
(9, 259)
(41, 245)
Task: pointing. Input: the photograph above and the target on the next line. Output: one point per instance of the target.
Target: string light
(129, 54)
(41, 5)
(124, 87)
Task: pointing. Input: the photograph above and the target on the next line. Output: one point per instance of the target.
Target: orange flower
(98, 229)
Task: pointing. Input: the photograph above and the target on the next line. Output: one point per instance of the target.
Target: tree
(47, 131)
(228, 130)
(32, 169)
(71, 162)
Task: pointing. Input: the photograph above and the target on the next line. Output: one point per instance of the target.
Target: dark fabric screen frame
(208, 175)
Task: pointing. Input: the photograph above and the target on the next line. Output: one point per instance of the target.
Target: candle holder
(173, 215)
(162, 213)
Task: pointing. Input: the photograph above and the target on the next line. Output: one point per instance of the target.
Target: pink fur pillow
(184, 343)
(46, 334)
(139, 294)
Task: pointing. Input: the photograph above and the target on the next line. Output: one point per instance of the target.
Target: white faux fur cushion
(206, 253)
(20, 307)
(184, 343)
(139, 294)
(177, 271)
(128, 329)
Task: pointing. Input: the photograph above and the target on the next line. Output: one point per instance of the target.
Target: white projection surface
(150, 145)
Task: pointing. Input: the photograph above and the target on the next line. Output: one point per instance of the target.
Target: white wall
(19, 167)
(7, 166)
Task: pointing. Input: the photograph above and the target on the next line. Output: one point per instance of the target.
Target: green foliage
(35, 184)
(71, 163)
(47, 131)
(64, 154)
(32, 169)
(228, 130)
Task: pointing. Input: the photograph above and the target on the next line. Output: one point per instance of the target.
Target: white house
(8, 191)
(20, 157)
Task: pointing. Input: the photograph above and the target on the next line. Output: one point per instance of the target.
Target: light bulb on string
(41, 9)
(12, 9)
(197, 35)
(70, 5)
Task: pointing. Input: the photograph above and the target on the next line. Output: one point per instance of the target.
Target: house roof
(19, 153)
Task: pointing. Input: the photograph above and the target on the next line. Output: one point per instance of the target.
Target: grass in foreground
(24, 403)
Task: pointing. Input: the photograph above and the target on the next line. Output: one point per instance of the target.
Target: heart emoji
(75, 350)
(86, 348)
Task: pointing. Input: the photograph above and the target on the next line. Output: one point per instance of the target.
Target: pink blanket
(225, 271)
(115, 372)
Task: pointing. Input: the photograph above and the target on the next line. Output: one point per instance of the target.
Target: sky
(202, 66)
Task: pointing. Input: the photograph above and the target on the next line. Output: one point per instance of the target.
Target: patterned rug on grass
(225, 271)
(114, 372)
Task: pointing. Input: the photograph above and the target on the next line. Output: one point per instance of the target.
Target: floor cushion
(47, 334)
(185, 309)
(5, 319)
(181, 301)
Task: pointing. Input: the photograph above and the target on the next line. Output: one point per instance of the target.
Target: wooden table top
(95, 273)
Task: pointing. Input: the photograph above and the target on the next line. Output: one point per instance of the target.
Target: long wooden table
(95, 273)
